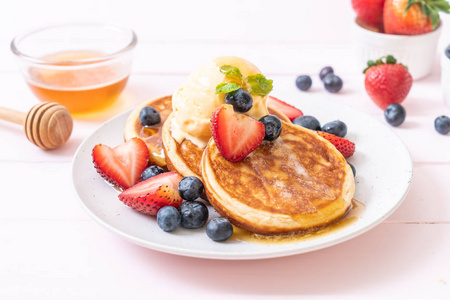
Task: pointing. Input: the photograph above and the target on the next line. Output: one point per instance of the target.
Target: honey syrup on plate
(351, 217)
(82, 88)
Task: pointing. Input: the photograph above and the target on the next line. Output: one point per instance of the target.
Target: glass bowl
(83, 66)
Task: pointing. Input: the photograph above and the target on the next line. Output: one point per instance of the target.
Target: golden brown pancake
(186, 156)
(297, 182)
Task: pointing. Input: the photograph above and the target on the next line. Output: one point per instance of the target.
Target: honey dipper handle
(12, 115)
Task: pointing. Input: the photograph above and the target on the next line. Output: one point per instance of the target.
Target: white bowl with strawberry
(406, 29)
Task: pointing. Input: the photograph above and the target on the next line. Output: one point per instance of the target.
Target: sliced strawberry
(122, 165)
(154, 193)
(236, 135)
(290, 111)
(346, 147)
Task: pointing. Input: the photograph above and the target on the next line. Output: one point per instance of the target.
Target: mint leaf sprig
(256, 84)
(259, 85)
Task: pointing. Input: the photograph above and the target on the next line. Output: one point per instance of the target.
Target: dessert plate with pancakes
(382, 181)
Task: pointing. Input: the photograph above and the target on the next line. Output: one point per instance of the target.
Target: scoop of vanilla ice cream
(194, 103)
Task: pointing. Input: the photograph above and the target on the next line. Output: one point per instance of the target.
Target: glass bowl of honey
(83, 66)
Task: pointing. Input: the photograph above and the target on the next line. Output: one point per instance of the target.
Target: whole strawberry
(387, 81)
(411, 17)
(369, 12)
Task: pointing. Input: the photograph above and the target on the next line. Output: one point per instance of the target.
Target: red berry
(154, 193)
(122, 165)
(346, 147)
(387, 83)
(369, 11)
(290, 111)
(236, 135)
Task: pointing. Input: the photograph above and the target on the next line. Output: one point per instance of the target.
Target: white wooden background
(51, 249)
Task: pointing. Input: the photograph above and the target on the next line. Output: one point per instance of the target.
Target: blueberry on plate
(272, 127)
(442, 124)
(194, 214)
(333, 83)
(325, 71)
(219, 229)
(190, 188)
(168, 218)
(308, 122)
(149, 116)
(447, 51)
(395, 114)
(303, 82)
(353, 168)
(241, 100)
(151, 171)
(337, 128)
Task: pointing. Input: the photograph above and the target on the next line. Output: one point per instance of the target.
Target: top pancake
(297, 182)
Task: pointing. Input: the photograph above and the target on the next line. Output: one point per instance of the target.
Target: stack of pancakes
(295, 183)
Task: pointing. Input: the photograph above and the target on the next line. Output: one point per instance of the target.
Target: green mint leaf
(259, 85)
(231, 71)
(225, 87)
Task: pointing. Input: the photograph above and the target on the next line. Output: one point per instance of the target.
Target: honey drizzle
(351, 217)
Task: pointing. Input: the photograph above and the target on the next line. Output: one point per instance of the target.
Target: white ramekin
(445, 78)
(415, 51)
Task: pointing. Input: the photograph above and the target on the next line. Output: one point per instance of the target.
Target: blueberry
(272, 127)
(353, 168)
(308, 122)
(447, 51)
(303, 82)
(337, 128)
(149, 116)
(219, 229)
(241, 100)
(151, 171)
(442, 124)
(194, 214)
(190, 188)
(333, 83)
(395, 114)
(168, 218)
(325, 71)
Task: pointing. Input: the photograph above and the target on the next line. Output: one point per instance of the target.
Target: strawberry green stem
(431, 8)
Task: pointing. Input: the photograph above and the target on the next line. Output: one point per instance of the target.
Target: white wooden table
(51, 249)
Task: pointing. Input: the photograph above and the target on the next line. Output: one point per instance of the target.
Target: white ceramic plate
(384, 173)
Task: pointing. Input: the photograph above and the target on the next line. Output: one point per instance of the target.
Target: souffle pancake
(295, 183)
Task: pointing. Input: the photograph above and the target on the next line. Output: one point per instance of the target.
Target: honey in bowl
(83, 66)
(82, 81)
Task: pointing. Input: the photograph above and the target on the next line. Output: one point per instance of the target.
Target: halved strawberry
(346, 147)
(236, 135)
(122, 165)
(290, 111)
(150, 195)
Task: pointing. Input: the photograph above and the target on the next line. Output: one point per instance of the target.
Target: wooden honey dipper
(47, 125)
